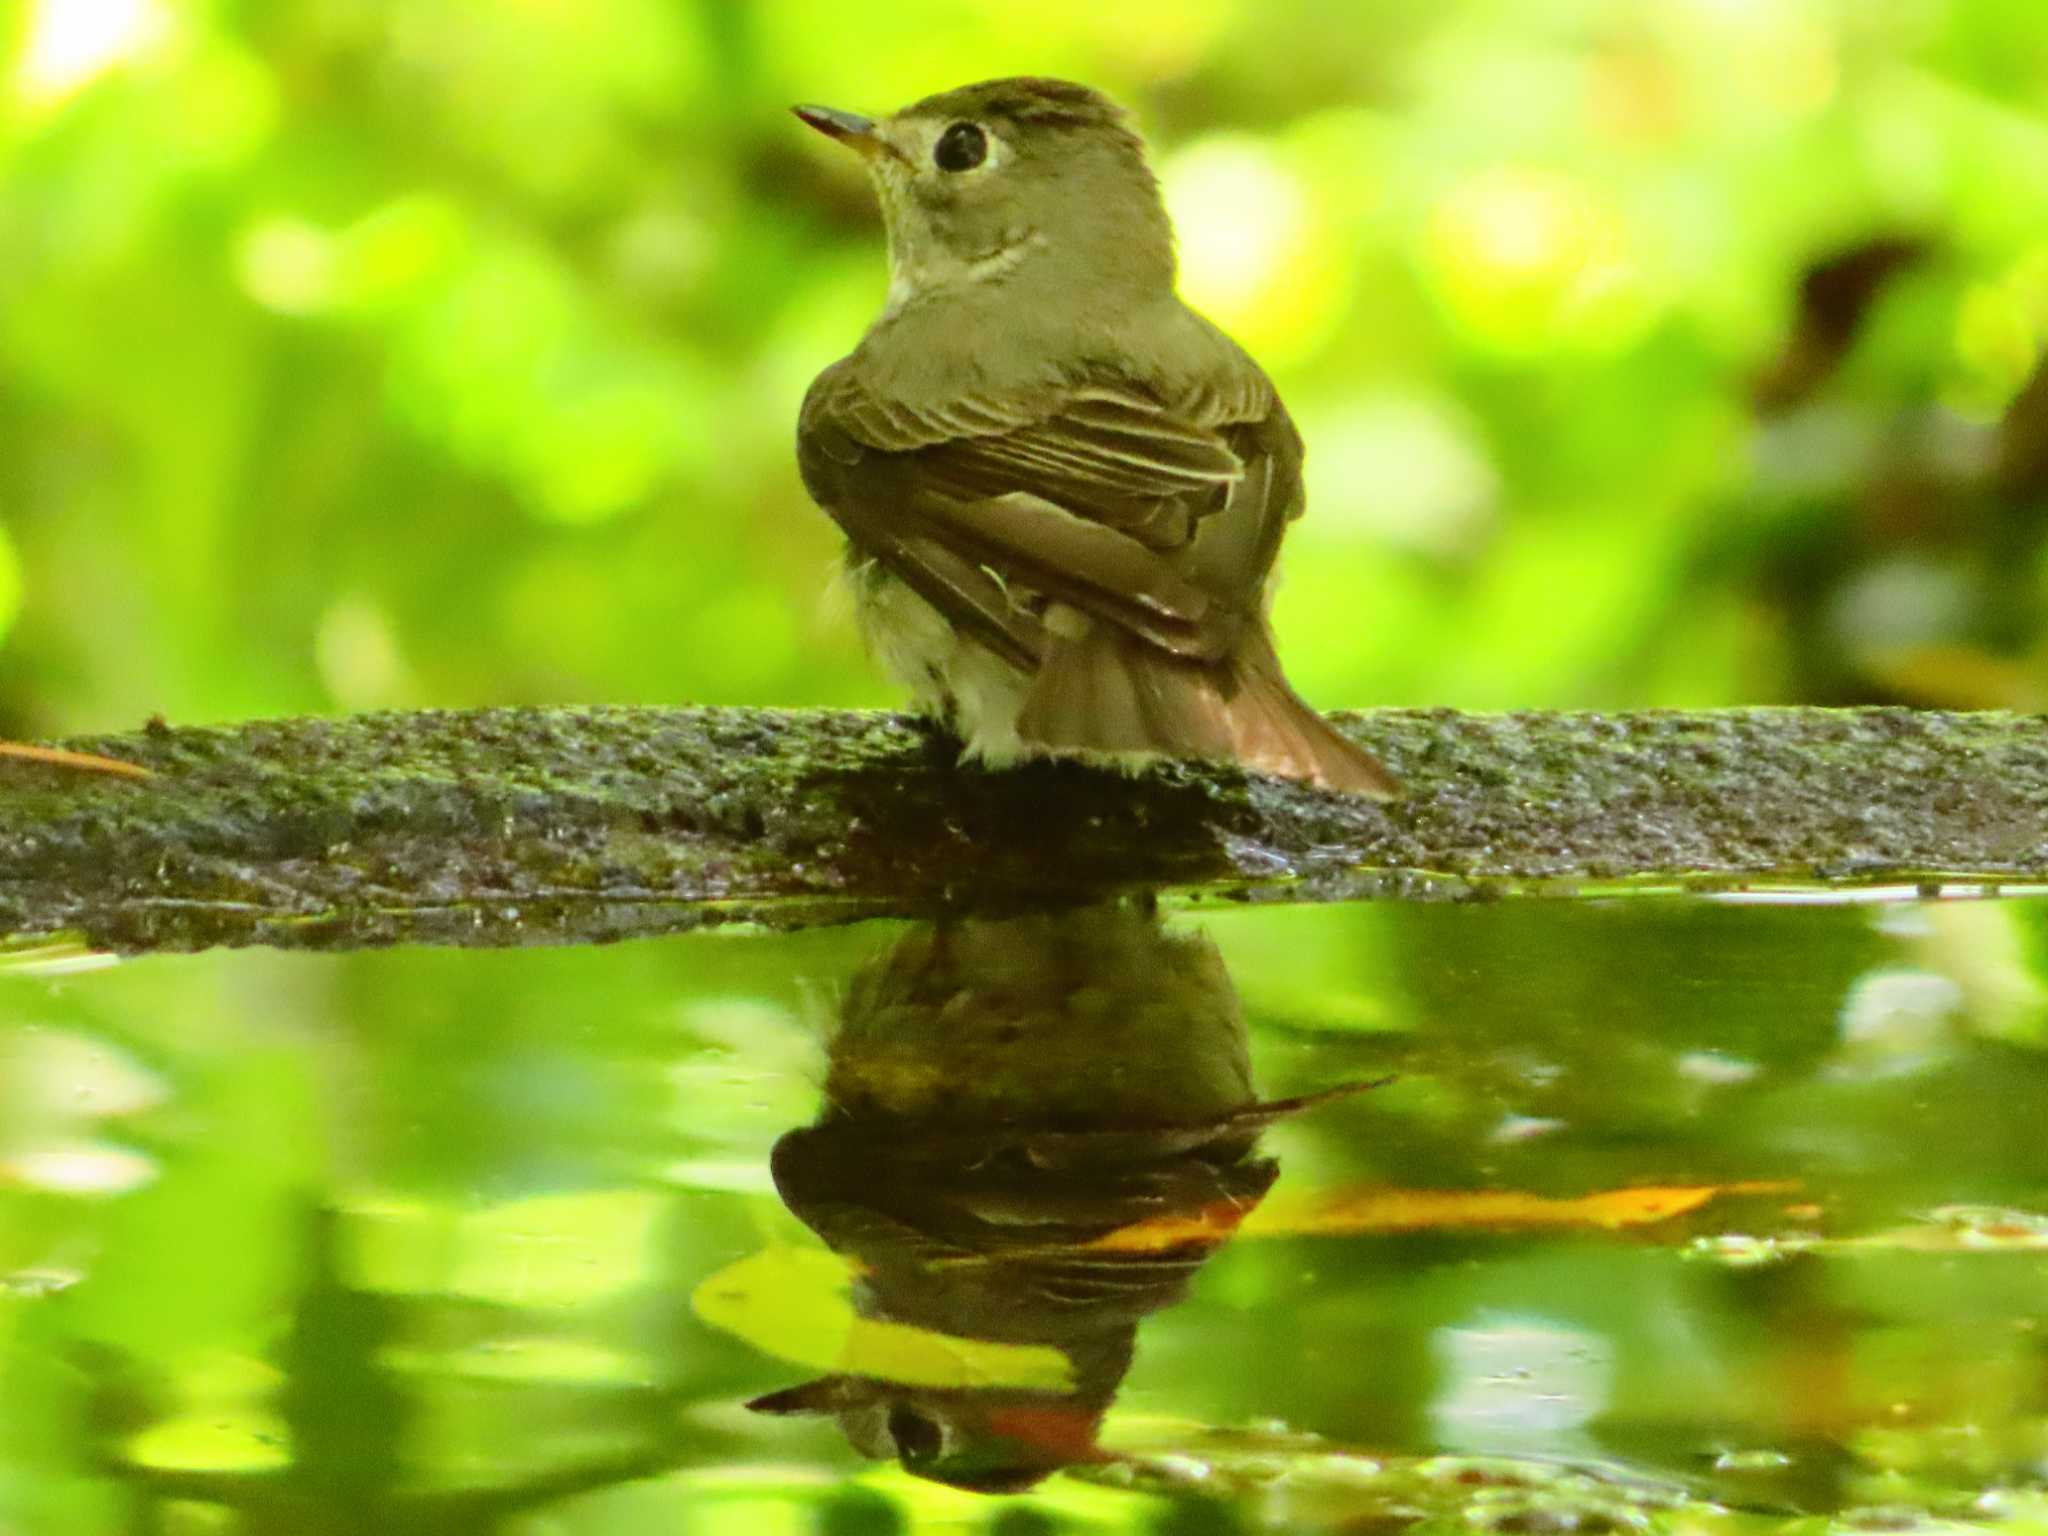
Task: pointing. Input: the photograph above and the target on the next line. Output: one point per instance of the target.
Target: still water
(1646, 1215)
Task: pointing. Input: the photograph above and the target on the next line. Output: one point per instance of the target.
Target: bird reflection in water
(1036, 1131)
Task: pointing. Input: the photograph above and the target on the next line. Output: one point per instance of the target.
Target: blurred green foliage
(359, 353)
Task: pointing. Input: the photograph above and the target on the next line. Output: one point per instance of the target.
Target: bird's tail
(1108, 692)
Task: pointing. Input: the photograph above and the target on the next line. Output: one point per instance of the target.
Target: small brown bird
(1063, 490)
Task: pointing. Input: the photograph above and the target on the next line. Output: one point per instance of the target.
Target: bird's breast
(950, 676)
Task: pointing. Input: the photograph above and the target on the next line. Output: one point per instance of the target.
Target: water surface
(1662, 1214)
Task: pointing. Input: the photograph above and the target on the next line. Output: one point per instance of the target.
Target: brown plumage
(1063, 490)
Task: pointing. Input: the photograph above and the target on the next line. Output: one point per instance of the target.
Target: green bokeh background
(358, 354)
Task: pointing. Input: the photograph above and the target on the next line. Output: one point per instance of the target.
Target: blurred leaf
(1422, 1210)
(792, 1303)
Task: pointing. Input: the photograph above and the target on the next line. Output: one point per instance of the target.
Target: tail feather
(1108, 691)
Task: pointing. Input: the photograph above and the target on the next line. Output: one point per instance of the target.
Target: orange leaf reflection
(1430, 1210)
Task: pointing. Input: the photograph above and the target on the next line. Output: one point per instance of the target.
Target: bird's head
(989, 1441)
(1012, 179)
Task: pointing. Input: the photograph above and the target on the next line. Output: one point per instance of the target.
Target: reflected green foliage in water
(1674, 1214)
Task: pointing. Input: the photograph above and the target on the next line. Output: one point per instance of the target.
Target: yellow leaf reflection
(240, 1440)
(793, 1303)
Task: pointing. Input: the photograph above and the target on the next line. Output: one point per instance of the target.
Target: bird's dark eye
(961, 147)
(917, 1437)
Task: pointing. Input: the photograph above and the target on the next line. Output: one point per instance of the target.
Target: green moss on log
(497, 827)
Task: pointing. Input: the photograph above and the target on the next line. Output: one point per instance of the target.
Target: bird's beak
(820, 1396)
(849, 128)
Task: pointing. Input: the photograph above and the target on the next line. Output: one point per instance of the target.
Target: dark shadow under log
(499, 827)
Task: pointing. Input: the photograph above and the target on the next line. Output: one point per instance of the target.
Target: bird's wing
(1099, 495)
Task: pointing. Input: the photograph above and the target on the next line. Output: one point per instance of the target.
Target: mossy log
(523, 826)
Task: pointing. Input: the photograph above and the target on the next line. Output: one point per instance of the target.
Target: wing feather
(1099, 495)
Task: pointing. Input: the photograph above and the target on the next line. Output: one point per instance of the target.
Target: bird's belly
(950, 676)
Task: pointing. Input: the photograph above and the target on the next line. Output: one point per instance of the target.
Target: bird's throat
(919, 270)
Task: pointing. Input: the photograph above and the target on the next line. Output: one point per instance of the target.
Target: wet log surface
(530, 826)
